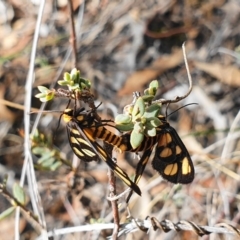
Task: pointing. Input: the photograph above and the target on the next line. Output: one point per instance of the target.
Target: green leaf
(43, 100)
(155, 122)
(63, 82)
(87, 83)
(40, 95)
(143, 120)
(147, 97)
(125, 127)
(151, 132)
(55, 165)
(48, 162)
(49, 96)
(138, 127)
(122, 119)
(4, 181)
(45, 94)
(74, 86)
(74, 81)
(138, 109)
(74, 74)
(128, 109)
(36, 134)
(82, 85)
(67, 76)
(44, 158)
(154, 84)
(43, 89)
(152, 89)
(137, 135)
(19, 194)
(7, 212)
(136, 139)
(38, 150)
(152, 111)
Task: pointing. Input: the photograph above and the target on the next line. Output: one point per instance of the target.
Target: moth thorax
(67, 118)
(162, 119)
(81, 118)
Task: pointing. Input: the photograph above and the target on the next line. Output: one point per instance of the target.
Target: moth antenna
(59, 120)
(179, 108)
(45, 111)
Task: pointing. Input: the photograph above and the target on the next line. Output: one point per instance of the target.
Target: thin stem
(177, 99)
(112, 192)
(72, 39)
(28, 214)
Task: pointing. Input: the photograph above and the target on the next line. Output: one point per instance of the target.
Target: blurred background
(121, 47)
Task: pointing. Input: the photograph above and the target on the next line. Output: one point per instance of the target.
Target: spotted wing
(80, 146)
(172, 159)
(140, 168)
(86, 148)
